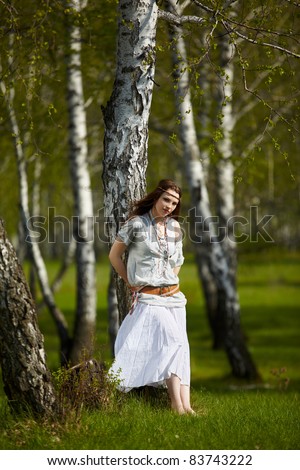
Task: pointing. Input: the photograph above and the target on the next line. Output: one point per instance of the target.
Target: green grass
(230, 416)
(238, 420)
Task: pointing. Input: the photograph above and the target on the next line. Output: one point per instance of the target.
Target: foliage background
(267, 176)
(265, 148)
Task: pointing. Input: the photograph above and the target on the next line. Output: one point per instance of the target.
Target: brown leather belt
(165, 291)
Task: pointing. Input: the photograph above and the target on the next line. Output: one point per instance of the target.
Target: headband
(165, 191)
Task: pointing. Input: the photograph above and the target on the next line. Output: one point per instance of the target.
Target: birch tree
(225, 167)
(39, 264)
(83, 214)
(86, 302)
(113, 312)
(225, 171)
(126, 117)
(212, 262)
(26, 378)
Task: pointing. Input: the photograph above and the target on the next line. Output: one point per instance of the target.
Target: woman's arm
(176, 270)
(115, 257)
(178, 238)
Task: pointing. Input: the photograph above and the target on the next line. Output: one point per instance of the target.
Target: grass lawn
(231, 414)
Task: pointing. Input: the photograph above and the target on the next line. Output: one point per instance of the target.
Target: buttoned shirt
(151, 261)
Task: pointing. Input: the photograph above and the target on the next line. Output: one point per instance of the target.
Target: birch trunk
(126, 117)
(35, 211)
(211, 261)
(66, 262)
(84, 216)
(196, 173)
(113, 312)
(26, 378)
(36, 256)
(225, 171)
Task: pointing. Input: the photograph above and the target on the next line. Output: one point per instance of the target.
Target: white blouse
(151, 261)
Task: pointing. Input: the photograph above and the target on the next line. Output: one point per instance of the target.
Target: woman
(152, 346)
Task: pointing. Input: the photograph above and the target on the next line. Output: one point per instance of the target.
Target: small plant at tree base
(88, 385)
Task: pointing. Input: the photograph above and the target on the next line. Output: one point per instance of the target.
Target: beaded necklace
(163, 245)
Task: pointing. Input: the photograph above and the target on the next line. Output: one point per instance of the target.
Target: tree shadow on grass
(156, 397)
(272, 337)
(230, 385)
(281, 282)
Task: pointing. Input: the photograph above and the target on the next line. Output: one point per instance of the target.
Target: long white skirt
(152, 345)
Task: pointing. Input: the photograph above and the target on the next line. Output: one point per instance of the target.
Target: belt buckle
(160, 290)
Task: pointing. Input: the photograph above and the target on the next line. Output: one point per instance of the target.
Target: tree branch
(204, 7)
(251, 145)
(228, 25)
(259, 43)
(179, 20)
(293, 3)
(257, 96)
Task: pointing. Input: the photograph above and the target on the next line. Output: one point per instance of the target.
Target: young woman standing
(152, 345)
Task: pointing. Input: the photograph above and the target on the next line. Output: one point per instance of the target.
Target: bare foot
(190, 411)
(178, 409)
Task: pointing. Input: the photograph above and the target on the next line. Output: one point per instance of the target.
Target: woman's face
(165, 204)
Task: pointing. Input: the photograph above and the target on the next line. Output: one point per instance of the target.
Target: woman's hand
(115, 257)
(134, 288)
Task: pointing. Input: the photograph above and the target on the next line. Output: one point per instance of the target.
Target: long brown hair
(147, 202)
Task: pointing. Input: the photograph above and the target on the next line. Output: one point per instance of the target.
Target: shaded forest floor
(231, 414)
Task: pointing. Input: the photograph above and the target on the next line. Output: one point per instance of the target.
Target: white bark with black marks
(35, 252)
(126, 117)
(211, 260)
(26, 378)
(85, 321)
(225, 167)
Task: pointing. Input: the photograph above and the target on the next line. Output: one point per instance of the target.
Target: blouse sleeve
(130, 230)
(179, 252)
(178, 255)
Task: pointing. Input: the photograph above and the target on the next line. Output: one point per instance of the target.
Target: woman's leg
(185, 399)
(173, 384)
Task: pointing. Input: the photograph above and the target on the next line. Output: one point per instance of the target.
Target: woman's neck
(157, 219)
